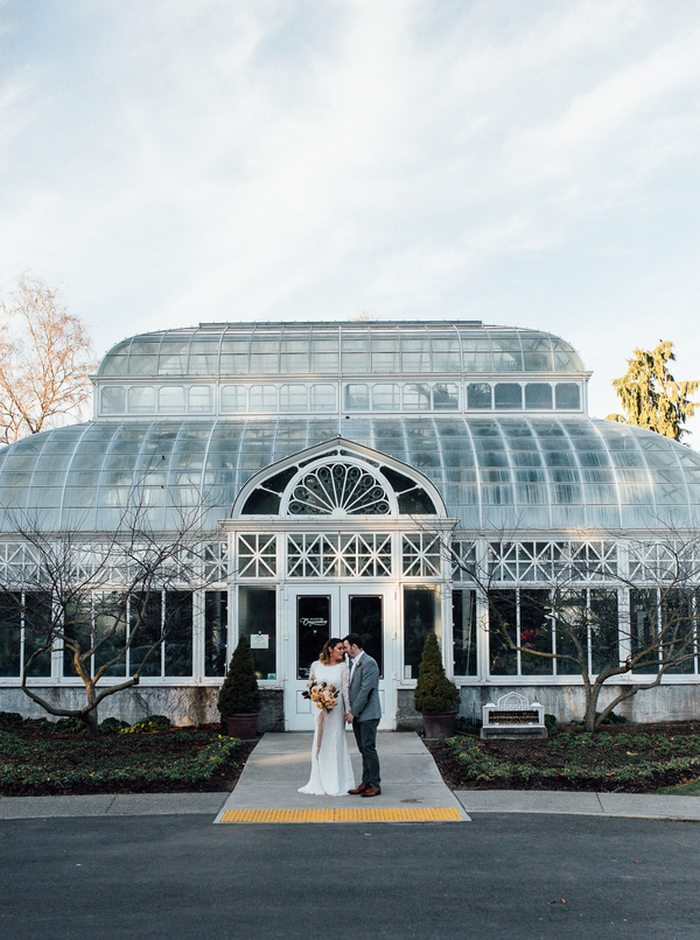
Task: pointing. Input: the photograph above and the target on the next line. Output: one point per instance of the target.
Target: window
(419, 619)
(142, 399)
(257, 619)
(215, 632)
(508, 396)
(538, 396)
(464, 632)
(113, 400)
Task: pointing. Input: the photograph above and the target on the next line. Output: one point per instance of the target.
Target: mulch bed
(149, 751)
(597, 765)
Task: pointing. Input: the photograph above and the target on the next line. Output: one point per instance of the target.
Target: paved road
(503, 877)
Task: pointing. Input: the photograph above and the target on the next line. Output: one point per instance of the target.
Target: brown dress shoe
(372, 791)
(361, 789)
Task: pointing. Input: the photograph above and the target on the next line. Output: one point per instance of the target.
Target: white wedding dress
(331, 768)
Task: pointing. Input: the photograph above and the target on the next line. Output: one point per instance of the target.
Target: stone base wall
(183, 705)
(196, 705)
(567, 703)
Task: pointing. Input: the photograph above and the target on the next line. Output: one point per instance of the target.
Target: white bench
(513, 717)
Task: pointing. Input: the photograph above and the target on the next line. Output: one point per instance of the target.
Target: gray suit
(366, 711)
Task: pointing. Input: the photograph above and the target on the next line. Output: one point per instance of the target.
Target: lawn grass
(627, 758)
(37, 762)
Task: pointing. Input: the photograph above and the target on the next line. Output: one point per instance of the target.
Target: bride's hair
(327, 647)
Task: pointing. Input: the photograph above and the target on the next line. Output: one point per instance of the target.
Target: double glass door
(313, 614)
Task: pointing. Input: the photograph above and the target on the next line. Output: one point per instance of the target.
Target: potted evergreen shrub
(436, 696)
(239, 698)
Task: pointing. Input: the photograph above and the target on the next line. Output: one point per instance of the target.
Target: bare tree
(577, 622)
(107, 601)
(45, 361)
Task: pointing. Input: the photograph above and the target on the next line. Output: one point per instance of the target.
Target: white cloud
(526, 163)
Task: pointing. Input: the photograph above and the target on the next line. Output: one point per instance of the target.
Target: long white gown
(331, 768)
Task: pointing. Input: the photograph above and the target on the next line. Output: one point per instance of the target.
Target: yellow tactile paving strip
(370, 814)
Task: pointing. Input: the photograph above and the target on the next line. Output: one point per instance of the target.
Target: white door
(312, 615)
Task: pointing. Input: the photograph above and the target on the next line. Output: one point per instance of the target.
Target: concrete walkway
(412, 788)
(412, 791)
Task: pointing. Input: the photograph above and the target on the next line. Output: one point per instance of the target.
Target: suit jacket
(364, 690)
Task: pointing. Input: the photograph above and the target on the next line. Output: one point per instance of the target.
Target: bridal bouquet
(322, 694)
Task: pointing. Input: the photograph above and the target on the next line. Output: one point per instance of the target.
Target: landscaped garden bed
(39, 759)
(625, 758)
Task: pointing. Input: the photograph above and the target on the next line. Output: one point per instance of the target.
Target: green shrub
(239, 693)
(435, 693)
(113, 726)
(550, 723)
(147, 725)
(69, 726)
(10, 719)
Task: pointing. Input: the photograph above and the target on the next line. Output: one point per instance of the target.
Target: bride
(331, 769)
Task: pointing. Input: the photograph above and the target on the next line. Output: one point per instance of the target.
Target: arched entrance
(323, 544)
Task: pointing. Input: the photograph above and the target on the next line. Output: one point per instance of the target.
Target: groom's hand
(349, 718)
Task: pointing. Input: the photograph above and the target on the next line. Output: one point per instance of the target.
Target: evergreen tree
(240, 693)
(435, 693)
(651, 397)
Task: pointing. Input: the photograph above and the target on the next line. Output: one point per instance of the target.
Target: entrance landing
(412, 788)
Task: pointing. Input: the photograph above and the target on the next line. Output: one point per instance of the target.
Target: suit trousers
(366, 737)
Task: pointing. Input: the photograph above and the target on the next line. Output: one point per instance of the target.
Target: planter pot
(243, 726)
(440, 726)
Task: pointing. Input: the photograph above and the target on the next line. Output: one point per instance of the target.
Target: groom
(364, 713)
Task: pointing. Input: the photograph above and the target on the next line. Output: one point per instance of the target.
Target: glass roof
(517, 473)
(275, 349)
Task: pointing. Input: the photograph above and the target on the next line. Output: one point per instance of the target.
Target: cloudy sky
(522, 162)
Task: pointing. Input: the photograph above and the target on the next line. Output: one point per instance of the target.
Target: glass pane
(110, 630)
(603, 629)
(200, 399)
(178, 625)
(323, 398)
(294, 398)
(215, 632)
(464, 632)
(445, 397)
(508, 396)
(171, 399)
(571, 627)
(535, 633)
(502, 633)
(386, 397)
(416, 398)
(233, 399)
(144, 630)
(263, 398)
(644, 611)
(257, 619)
(680, 630)
(313, 629)
(37, 623)
(538, 395)
(10, 616)
(356, 397)
(142, 400)
(478, 396)
(567, 395)
(418, 622)
(77, 626)
(113, 400)
(366, 619)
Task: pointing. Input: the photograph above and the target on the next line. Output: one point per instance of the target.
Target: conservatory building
(384, 478)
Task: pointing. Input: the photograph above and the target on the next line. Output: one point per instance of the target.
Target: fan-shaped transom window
(338, 484)
(338, 489)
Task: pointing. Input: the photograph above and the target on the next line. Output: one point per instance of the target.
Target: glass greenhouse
(389, 478)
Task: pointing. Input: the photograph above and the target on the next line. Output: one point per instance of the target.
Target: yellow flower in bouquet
(322, 694)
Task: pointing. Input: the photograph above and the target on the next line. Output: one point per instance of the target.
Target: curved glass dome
(517, 474)
(353, 348)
